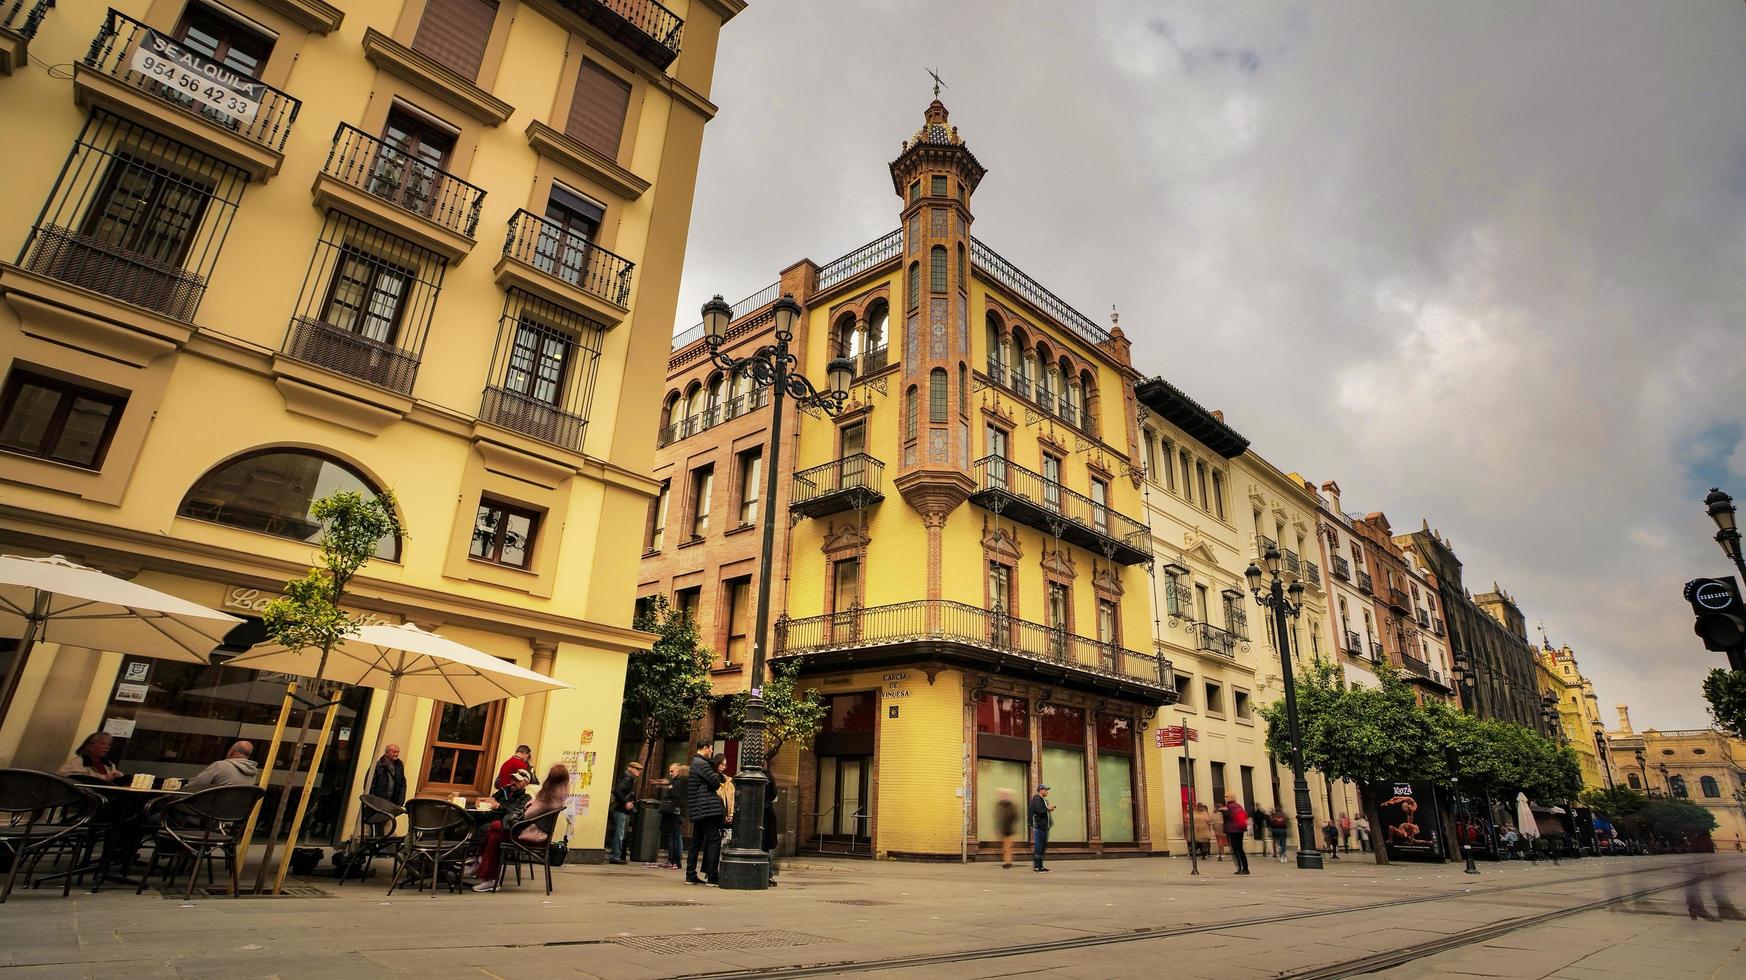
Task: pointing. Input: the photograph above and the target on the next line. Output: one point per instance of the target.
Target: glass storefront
(1064, 770)
(992, 776)
(173, 719)
(1115, 779)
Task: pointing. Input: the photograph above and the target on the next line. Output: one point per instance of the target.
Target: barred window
(368, 295)
(543, 371)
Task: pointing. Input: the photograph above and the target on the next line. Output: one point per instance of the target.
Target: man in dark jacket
(1041, 818)
(624, 803)
(672, 814)
(706, 811)
(388, 780)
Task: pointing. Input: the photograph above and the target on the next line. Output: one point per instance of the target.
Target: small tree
(1672, 818)
(788, 716)
(667, 688)
(308, 615)
(1726, 692)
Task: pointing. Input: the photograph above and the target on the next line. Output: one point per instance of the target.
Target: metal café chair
(196, 826)
(517, 850)
(376, 835)
(30, 802)
(437, 835)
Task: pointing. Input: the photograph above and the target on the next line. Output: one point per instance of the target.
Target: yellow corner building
(261, 250)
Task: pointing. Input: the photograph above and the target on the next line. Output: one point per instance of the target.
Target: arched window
(847, 339)
(1051, 388)
(272, 492)
(914, 285)
(1710, 787)
(717, 388)
(742, 387)
(1635, 782)
(1676, 786)
(937, 395)
(667, 408)
(937, 269)
(694, 401)
(878, 325)
(910, 411)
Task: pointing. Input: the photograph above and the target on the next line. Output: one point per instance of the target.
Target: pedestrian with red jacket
(1236, 827)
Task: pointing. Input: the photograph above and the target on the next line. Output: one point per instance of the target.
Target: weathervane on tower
(938, 83)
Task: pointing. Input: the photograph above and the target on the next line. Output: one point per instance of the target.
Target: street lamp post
(1721, 510)
(1643, 770)
(1308, 856)
(745, 864)
(1600, 747)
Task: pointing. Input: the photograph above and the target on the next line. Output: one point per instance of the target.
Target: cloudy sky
(1481, 263)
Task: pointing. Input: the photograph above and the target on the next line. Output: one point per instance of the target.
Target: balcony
(380, 183)
(1219, 641)
(870, 361)
(548, 260)
(543, 369)
(1179, 599)
(1007, 489)
(19, 21)
(1377, 653)
(1354, 645)
(1341, 568)
(1047, 402)
(1397, 600)
(1292, 564)
(1262, 544)
(869, 256)
(1312, 573)
(1033, 292)
(1364, 583)
(1418, 670)
(1437, 627)
(138, 73)
(955, 632)
(727, 411)
(649, 30)
(843, 484)
(1424, 619)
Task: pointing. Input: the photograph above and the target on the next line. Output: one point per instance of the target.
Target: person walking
(1041, 818)
(1006, 824)
(1331, 836)
(624, 802)
(1204, 834)
(707, 813)
(1236, 827)
(1362, 826)
(672, 812)
(1258, 824)
(1280, 828)
(1345, 833)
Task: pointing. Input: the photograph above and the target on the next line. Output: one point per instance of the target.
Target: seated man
(235, 769)
(521, 761)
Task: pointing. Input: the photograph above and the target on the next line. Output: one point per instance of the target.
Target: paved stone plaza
(1105, 919)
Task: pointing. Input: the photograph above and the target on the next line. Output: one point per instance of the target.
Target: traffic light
(1721, 617)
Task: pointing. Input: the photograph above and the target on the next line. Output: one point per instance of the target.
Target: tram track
(1355, 967)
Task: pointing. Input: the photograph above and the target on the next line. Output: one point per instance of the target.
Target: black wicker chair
(195, 826)
(437, 835)
(516, 850)
(41, 811)
(376, 835)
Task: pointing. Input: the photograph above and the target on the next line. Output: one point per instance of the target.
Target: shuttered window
(453, 33)
(597, 112)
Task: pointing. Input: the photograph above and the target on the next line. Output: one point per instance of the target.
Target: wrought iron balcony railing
(353, 354)
(1437, 627)
(24, 17)
(1022, 495)
(543, 369)
(1215, 640)
(1397, 600)
(1341, 568)
(1014, 278)
(568, 257)
(1364, 583)
(1424, 619)
(850, 483)
(1312, 573)
(1049, 402)
(744, 308)
(992, 633)
(386, 171)
(1354, 645)
(1292, 565)
(1263, 543)
(1414, 665)
(871, 361)
(112, 54)
(1377, 653)
(881, 249)
(727, 411)
(1179, 599)
(646, 27)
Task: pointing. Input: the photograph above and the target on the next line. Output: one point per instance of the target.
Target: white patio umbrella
(54, 600)
(1526, 825)
(405, 659)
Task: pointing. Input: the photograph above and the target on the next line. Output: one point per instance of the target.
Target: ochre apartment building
(1563, 685)
(1701, 765)
(425, 245)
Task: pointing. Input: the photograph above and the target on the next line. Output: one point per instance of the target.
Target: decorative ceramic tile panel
(939, 222)
(909, 455)
(911, 335)
(963, 327)
(915, 231)
(936, 445)
(937, 328)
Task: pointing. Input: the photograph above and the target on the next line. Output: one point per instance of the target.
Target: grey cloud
(1479, 262)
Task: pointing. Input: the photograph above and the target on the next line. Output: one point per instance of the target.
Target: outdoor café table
(124, 810)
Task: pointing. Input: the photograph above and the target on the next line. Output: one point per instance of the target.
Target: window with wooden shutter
(453, 33)
(597, 111)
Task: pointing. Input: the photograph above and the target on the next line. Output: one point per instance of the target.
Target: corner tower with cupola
(935, 177)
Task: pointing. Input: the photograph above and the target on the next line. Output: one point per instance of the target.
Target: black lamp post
(1308, 857)
(1600, 747)
(1721, 509)
(1643, 770)
(744, 863)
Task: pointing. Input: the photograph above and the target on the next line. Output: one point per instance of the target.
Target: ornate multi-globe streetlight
(1287, 602)
(744, 863)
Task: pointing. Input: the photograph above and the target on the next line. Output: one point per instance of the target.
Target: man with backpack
(1236, 827)
(1280, 828)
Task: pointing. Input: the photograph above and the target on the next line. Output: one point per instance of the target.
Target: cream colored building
(1701, 765)
(260, 250)
(1579, 721)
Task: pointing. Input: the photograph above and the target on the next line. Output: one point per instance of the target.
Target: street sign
(1172, 736)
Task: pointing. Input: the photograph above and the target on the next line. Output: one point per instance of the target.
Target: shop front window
(1115, 778)
(1063, 731)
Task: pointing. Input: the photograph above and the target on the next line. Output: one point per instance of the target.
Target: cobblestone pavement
(1592, 918)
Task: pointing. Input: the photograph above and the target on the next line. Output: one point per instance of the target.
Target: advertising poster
(1411, 827)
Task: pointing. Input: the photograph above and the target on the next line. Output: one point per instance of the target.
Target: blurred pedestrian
(1236, 827)
(1280, 828)
(1006, 824)
(1204, 833)
(1362, 826)
(1331, 836)
(1345, 833)
(1258, 824)
(1041, 818)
